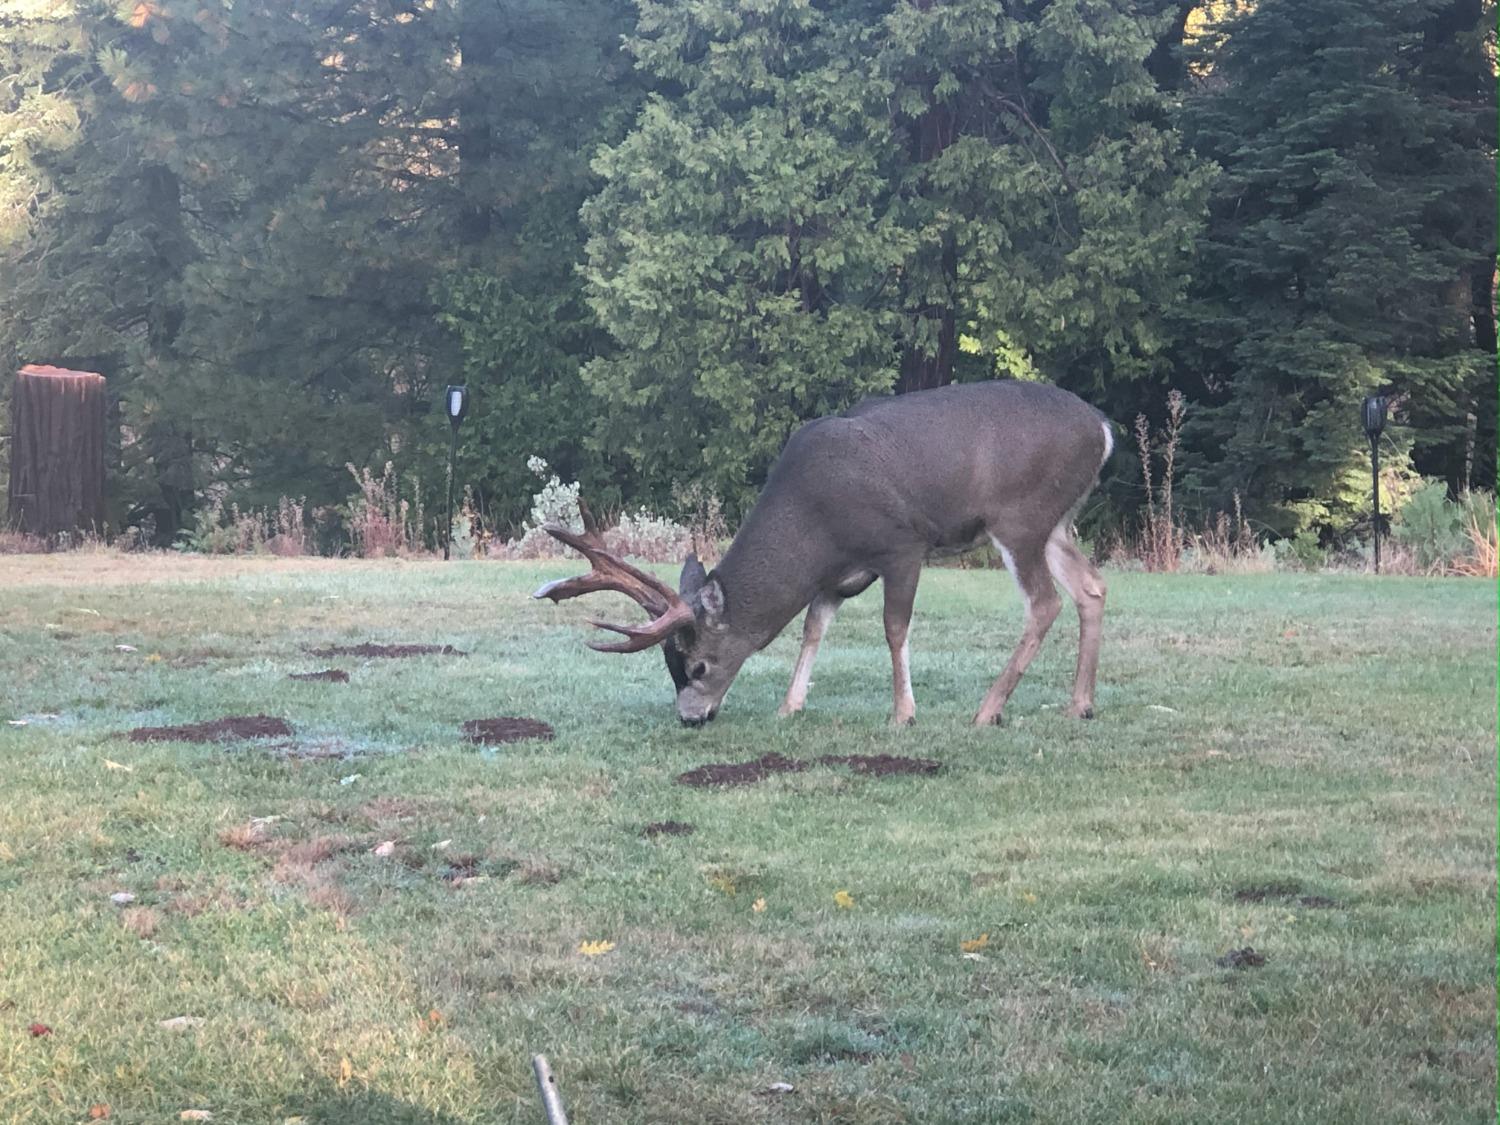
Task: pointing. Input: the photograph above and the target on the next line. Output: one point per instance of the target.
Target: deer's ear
(711, 601)
(692, 578)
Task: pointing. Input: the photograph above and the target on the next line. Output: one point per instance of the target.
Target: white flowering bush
(640, 534)
(556, 502)
(651, 537)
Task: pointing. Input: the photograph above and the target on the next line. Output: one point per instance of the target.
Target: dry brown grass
(1484, 559)
(142, 921)
(118, 568)
(1162, 537)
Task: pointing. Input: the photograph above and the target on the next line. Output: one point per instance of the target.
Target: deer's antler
(610, 572)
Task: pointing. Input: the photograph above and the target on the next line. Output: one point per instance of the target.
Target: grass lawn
(1301, 765)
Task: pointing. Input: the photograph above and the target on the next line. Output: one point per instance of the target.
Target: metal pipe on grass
(546, 1085)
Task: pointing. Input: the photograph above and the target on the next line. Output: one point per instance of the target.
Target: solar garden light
(1372, 414)
(456, 401)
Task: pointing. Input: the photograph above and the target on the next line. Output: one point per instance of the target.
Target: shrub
(218, 530)
(1431, 525)
(1162, 539)
(1301, 552)
(378, 517)
(641, 534)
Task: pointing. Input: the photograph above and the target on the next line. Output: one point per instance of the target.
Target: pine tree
(1351, 228)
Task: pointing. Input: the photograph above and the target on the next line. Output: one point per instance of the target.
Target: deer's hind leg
(1076, 575)
(1028, 566)
(819, 614)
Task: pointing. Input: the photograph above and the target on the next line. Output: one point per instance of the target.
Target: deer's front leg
(819, 614)
(900, 595)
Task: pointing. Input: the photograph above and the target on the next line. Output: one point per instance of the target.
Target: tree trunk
(57, 452)
(922, 370)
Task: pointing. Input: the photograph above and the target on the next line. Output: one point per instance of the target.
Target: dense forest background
(653, 237)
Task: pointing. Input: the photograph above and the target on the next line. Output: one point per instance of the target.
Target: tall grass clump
(1162, 538)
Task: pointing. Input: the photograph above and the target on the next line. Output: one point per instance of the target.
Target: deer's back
(940, 468)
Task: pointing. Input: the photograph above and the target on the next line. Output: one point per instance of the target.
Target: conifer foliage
(653, 237)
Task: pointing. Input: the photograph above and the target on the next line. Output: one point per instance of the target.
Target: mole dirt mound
(882, 765)
(1246, 958)
(328, 675)
(740, 773)
(368, 650)
(227, 729)
(494, 732)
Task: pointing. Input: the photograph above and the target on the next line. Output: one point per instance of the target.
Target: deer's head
(691, 623)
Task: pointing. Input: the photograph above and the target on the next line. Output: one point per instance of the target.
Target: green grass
(1330, 736)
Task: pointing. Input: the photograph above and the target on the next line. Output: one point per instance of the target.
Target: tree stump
(57, 451)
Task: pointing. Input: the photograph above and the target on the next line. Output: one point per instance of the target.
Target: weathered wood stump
(57, 451)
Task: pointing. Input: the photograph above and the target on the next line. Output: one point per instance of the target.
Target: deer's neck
(773, 569)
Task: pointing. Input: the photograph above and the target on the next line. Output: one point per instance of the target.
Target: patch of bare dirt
(882, 765)
(142, 921)
(747, 773)
(247, 837)
(462, 868)
(495, 732)
(1246, 958)
(1317, 902)
(229, 729)
(538, 873)
(387, 808)
(191, 899)
(740, 773)
(668, 828)
(310, 853)
(315, 750)
(327, 676)
(1288, 892)
(368, 650)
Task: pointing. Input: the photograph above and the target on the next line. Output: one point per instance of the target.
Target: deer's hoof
(1080, 712)
(988, 721)
(900, 721)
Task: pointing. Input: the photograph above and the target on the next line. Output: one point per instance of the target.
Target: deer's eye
(700, 670)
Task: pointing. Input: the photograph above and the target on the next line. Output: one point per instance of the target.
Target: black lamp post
(456, 402)
(1372, 414)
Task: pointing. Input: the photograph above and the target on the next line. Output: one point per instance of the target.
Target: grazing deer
(868, 494)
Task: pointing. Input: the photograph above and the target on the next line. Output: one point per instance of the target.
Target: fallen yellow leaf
(98, 1112)
(759, 906)
(117, 766)
(844, 899)
(346, 1071)
(1028, 897)
(595, 948)
(974, 945)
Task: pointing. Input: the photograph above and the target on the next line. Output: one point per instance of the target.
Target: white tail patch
(1109, 443)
